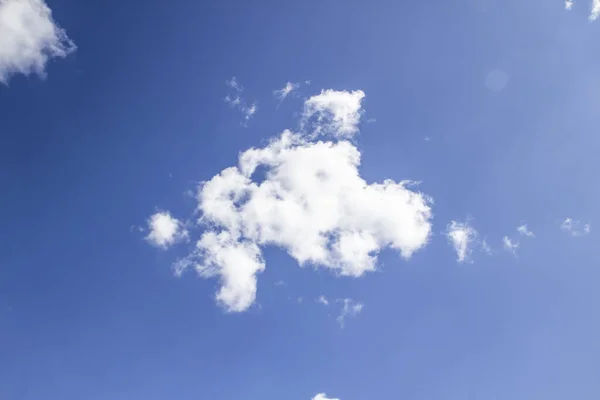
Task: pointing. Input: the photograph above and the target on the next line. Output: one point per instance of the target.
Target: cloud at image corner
(29, 38)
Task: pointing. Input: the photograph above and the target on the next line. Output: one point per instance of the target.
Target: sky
(316, 200)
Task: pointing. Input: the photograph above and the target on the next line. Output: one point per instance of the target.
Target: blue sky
(149, 253)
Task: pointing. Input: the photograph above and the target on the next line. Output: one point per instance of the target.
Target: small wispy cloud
(510, 245)
(568, 4)
(462, 237)
(234, 84)
(282, 93)
(237, 102)
(323, 300)
(233, 101)
(485, 247)
(249, 111)
(575, 228)
(524, 231)
(351, 308)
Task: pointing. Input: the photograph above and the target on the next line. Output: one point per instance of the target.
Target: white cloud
(510, 245)
(322, 396)
(524, 231)
(313, 203)
(485, 247)
(282, 93)
(575, 228)
(595, 12)
(236, 263)
(249, 111)
(29, 37)
(235, 101)
(165, 230)
(336, 113)
(462, 237)
(350, 309)
(323, 300)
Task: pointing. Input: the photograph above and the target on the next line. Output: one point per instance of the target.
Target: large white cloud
(29, 37)
(309, 199)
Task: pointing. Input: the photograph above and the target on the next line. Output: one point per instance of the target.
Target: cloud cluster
(236, 101)
(302, 192)
(350, 308)
(308, 198)
(575, 228)
(594, 11)
(29, 37)
(165, 230)
(464, 239)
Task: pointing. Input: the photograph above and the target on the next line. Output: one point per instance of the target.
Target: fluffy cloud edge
(29, 38)
(335, 113)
